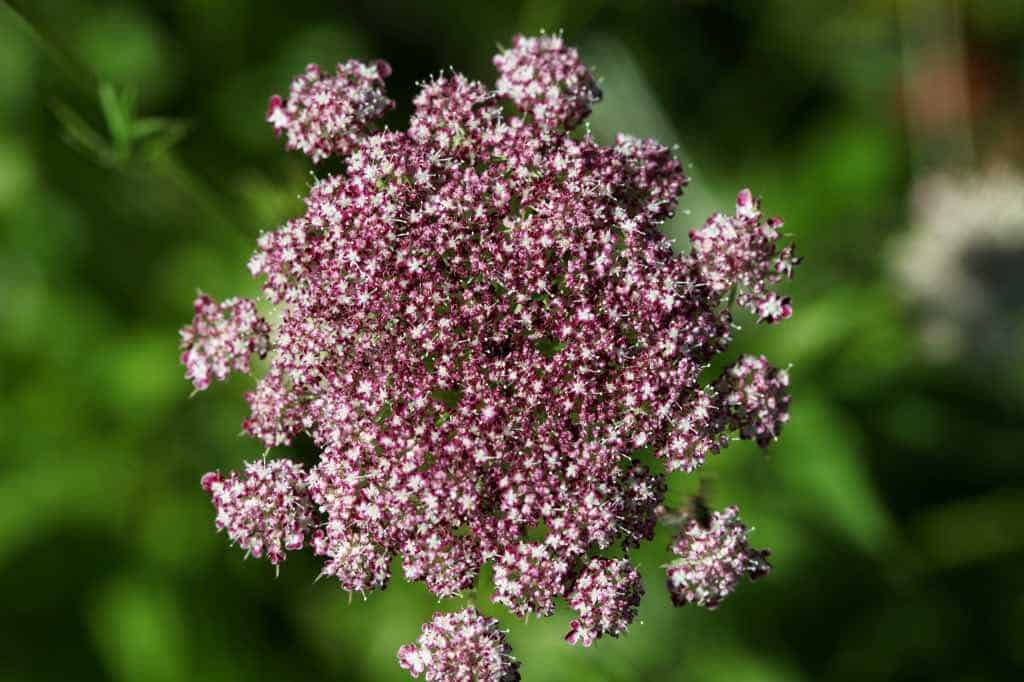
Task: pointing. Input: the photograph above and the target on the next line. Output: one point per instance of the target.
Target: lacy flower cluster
(712, 559)
(496, 351)
(465, 646)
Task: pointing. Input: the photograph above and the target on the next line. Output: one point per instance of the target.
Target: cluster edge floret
(496, 352)
(266, 511)
(712, 557)
(465, 646)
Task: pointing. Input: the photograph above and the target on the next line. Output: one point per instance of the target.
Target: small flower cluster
(643, 493)
(465, 646)
(605, 597)
(754, 395)
(484, 331)
(221, 338)
(268, 511)
(739, 251)
(713, 558)
(547, 80)
(328, 115)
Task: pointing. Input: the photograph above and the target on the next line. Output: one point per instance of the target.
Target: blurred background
(135, 166)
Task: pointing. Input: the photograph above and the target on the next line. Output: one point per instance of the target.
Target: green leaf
(117, 111)
(80, 134)
(824, 472)
(141, 632)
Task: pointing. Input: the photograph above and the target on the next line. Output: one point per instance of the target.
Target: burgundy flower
(605, 597)
(740, 251)
(642, 495)
(712, 559)
(221, 338)
(460, 647)
(753, 396)
(327, 115)
(546, 79)
(265, 512)
(495, 351)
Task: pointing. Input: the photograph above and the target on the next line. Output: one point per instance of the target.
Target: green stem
(73, 71)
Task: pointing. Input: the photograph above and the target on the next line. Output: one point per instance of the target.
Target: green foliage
(127, 136)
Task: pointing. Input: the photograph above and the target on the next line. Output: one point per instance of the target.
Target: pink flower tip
(209, 479)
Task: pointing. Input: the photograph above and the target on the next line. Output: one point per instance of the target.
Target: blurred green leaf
(17, 170)
(972, 530)
(118, 111)
(81, 135)
(140, 631)
(824, 474)
(127, 137)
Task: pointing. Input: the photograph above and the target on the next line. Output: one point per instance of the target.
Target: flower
(465, 646)
(643, 493)
(605, 597)
(268, 511)
(221, 338)
(493, 348)
(740, 251)
(712, 558)
(327, 115)
(753, 395)
(546, 79)
(656, 177)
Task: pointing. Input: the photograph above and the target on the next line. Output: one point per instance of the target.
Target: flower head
(753, 395)
(605, 597)
(265, 512)
(712, 559)
(546, 79)
(221, 338)
(740, 251)
(465, 646)
(655, 176)
(327, 114)
(643, 493)
(493, 347)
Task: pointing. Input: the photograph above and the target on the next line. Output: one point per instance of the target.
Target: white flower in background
(962, 263)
